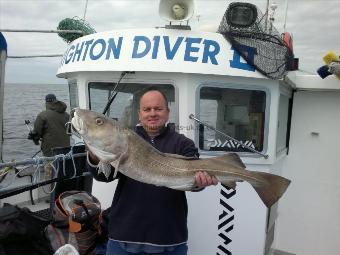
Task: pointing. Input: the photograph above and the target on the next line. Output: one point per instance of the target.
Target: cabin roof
(302, 81)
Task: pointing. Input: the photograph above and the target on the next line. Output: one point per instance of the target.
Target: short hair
(153, 88)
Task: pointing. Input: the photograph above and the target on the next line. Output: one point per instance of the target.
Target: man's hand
(33, 136)
(203, 179)
(30, 136)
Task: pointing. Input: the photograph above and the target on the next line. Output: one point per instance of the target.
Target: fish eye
(99, 121)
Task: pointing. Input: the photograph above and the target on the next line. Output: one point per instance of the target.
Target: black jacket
(145, 213)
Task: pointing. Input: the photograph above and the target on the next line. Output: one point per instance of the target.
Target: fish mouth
(78, 125)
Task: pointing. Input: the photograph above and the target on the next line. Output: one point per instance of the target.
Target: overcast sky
(314, 24)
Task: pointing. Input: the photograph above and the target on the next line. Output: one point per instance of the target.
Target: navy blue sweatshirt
(145, 213)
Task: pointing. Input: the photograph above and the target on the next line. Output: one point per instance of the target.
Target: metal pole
(42, 31)
(114, 92)
(267, 16)
(37, 56)
(191, 116)
(37, 160)
(15, 191)
(285, 20)
(85, 10)
(3, 58)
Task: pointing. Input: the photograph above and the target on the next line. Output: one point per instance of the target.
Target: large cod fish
(128, 153)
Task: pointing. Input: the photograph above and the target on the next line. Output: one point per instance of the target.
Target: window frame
(238, 86)
(143, 84)
(289, 94)
(73, 83)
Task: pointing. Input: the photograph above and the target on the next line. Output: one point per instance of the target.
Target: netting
(75, 23)
(272, 56)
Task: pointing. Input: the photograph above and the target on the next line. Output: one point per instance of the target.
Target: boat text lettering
(189, 49)
(143, 47)
(94, 50)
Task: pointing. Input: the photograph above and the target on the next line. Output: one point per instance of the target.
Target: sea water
(24, 102)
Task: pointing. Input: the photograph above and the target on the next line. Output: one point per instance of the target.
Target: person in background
(50, 130)
(49, 126)
(144, 218)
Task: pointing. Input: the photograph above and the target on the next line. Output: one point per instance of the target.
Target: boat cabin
(286, 126)
(202, 75)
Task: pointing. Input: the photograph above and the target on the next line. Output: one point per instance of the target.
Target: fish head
(104, 136)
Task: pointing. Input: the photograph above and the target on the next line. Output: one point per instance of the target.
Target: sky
(314, 25)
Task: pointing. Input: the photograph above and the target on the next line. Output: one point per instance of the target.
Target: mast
(266, 16)
(85, 10)
(3, 57)
(285, 19)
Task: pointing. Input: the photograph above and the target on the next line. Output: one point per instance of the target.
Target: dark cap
(50, 98)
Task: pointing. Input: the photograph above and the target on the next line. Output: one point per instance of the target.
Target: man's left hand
(203, 179)
(33, 136)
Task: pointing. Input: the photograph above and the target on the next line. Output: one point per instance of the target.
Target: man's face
(153, 112)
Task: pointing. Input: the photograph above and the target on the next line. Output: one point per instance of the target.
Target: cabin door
(309, 218)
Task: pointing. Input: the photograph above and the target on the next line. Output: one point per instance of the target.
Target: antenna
(285, 20)
(85, 10)
(273, 8)
(266, 14)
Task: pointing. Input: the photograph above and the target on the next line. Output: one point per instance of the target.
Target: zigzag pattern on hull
(226, 219)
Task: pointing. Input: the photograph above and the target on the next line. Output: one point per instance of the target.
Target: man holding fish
(145, 218)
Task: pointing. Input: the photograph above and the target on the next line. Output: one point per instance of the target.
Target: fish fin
(104, 168)
(183, 187)
(271, 189)
(115, 163)
(103, 155)
(230, 158)
(177, 156)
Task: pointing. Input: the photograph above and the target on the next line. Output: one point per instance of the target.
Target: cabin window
(73, 91)
(283, 122)
(125, 105)
(239, 113)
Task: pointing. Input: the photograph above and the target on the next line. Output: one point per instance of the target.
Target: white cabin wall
(186, 104)
(204, 207)
(273, 120)
(250, 215)
(82, 91)
(309, 218)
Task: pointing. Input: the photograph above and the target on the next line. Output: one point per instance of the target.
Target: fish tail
(271, 189)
